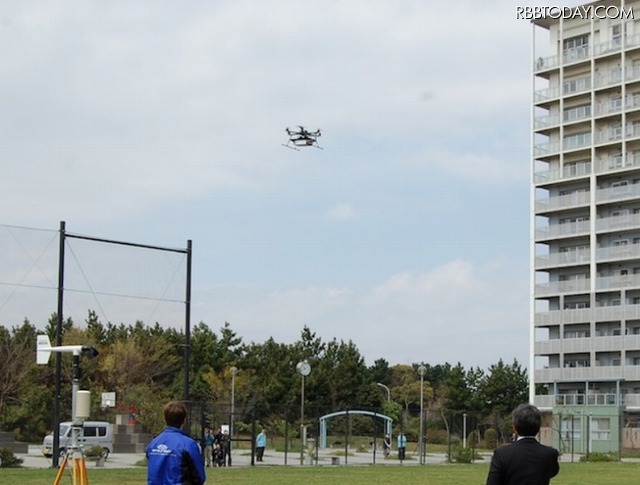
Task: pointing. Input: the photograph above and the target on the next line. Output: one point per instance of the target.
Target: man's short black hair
(526, 420)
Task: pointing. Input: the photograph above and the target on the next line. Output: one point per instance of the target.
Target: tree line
(143, 365)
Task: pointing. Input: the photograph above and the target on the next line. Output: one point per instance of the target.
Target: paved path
(35, 459)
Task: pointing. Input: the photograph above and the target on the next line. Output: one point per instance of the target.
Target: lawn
(570, 474)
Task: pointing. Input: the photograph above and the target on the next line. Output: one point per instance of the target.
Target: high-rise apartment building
(585, 315)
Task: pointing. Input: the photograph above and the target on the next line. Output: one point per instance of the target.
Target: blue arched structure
(388, 425)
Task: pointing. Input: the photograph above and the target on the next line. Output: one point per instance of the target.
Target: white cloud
(340, 212)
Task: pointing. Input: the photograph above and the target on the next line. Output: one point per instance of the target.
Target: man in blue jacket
(172, 457)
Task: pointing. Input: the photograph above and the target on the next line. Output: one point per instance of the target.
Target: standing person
(402, 446)
(208, 446)
(173, 458)
(386, 445)
(261, 444)
(525, 461)
(227, 447)
(219, 448)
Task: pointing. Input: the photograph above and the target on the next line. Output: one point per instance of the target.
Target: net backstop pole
(58, 370)
(187, 325)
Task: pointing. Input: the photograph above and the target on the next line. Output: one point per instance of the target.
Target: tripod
(78, 466)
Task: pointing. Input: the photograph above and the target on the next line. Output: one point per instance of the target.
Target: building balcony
(556, 231)
(617, 253)
(607, 108)
(631, 41)
(561, 287)
(546, 121)
(568, 172)
(620, 192)
(573, 374)
(582, 53)
(547, 94)
(546, 149)
(584, 345)
(549, 401)
(572, 258)
(618, 223)
(618, 163)
(606, 79)
(573, 200)
(631, 400)
(585, 315)
(618, 282)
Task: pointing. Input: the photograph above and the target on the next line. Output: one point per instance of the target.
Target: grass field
(570, 474)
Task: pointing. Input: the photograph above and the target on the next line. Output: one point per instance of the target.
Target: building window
(578, 140)
(600, 429)
(616, 35)
(578, 41)
(577, 112)
(570, 427)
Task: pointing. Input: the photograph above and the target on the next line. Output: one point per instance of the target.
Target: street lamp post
(422, 371)
(304, 369)
(464, 430)
(388, 428)
(386, 389)
(234, 372)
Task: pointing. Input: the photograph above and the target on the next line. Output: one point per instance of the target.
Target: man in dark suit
(524, 462)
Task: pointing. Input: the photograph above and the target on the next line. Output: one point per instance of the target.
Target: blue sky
(158, 122)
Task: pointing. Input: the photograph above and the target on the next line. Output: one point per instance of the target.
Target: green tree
(502, 390)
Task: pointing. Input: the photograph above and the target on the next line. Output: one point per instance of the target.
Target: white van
(94, 433)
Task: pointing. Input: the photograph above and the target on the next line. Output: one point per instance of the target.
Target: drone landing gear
(297, 149)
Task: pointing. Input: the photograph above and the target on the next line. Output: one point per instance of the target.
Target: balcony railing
(618, 282)
(604, 283)
(616, 253)
(569, 171)
(618, 163)
(557, 287)
(564, 259)
(632, 400)
(617, 223)
(569, 229)
(557, 374)
(614, 76)
(575, 199)
(548, 401)
(619, 192)
(585, 315)
(542, 122)
(581, 345)
(543, 149)
(580, 53)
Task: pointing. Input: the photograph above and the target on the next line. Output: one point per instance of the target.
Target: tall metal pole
(421, 370)
(302, 422)
(464, 430)
(187, 326)
(58, 370)
(234, 371)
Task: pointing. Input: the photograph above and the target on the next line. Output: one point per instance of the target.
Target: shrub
(490, 436)
(439, 437)
(593, 457)
(93, 452)
(8, 459)
(463, 455)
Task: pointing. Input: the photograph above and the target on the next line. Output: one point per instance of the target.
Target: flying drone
(302, 138)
